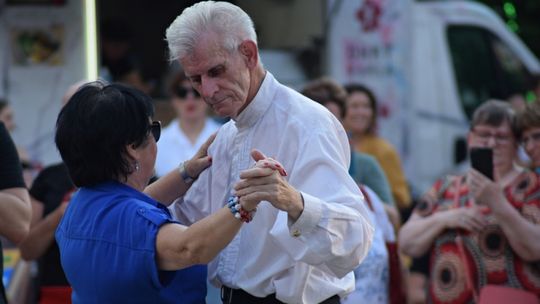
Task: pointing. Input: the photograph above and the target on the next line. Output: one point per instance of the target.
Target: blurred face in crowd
(187, 102)
(500, 139)
(221, 77)
(6, 116)
(359, 113)
(334, 109)
(530, 140)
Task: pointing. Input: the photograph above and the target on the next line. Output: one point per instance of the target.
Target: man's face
(222, 78)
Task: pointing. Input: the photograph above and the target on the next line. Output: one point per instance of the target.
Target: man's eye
(215, 72)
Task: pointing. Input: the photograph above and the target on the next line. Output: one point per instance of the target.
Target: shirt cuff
(310, 217)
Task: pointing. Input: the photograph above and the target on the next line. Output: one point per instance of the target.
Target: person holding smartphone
(496, 221)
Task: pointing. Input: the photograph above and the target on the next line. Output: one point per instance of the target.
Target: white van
(430, 64)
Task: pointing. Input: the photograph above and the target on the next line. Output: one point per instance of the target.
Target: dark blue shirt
(107, 241)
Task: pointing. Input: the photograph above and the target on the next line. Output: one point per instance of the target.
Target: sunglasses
(183, 92)
(155, 129)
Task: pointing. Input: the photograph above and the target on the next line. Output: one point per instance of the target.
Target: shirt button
(296, 233)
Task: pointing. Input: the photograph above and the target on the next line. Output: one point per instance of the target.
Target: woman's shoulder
(525, 188)
(364, 158)
(378, 144)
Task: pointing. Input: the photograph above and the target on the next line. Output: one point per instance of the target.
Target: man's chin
(222, 113)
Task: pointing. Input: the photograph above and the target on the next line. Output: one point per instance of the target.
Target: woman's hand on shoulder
(201, 160)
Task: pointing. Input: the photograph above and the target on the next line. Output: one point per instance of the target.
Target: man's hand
(265, 183)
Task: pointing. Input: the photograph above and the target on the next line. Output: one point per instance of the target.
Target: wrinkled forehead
(206, 53)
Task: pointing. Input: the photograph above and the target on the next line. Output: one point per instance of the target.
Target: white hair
(226, 20)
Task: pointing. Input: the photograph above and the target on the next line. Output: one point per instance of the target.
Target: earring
(137, 167)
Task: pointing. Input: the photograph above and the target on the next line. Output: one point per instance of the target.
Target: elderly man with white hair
(304, 249)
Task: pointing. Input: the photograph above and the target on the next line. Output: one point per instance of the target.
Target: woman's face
(189, 104)
(531, 143)
(359, 113)
(500, 139)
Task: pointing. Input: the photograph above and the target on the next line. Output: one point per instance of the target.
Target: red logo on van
(368, 15)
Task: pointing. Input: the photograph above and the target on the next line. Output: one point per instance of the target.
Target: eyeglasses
(533, 137)
(183, 92)
(500, 138)
(155, 129)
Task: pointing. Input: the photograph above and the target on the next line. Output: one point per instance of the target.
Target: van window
(485, 67)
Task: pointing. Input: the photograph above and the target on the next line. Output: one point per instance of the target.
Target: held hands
(265, 182)
(471, 219)
(201, 160)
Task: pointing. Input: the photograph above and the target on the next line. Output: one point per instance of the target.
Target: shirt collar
(258, 106)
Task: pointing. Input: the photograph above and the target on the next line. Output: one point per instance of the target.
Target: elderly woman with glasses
(480, 232)
(117, 240)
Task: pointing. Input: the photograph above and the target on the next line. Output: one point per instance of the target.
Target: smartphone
(482, 161)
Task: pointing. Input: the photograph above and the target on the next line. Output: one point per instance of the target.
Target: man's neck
(255, 85)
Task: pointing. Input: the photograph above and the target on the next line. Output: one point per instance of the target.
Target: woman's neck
(356, 138)
(192, 128)
(135, 182)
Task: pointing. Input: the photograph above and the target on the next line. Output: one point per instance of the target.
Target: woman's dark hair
(325, 90)
(359, 88)
(94, 128)
(494, 113)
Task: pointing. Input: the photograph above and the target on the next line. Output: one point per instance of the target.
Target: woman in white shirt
(185, 134)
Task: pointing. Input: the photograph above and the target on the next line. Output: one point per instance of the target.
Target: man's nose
(208, 87)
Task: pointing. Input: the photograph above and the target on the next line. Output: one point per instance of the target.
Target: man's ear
(249, 51)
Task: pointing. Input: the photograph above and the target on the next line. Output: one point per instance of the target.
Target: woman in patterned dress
(497, 222)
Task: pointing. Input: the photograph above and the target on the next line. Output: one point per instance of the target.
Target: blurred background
(430, 64)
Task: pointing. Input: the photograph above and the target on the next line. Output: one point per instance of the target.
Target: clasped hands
(266, 182)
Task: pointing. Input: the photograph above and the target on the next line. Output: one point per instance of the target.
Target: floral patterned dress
(487, 253)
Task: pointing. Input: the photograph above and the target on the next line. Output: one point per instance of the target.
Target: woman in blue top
(117, 240)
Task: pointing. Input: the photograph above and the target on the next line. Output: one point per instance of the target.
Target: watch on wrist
(183, 173)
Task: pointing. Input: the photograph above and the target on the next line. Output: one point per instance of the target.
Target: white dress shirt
(313, 258)
(175, 147)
